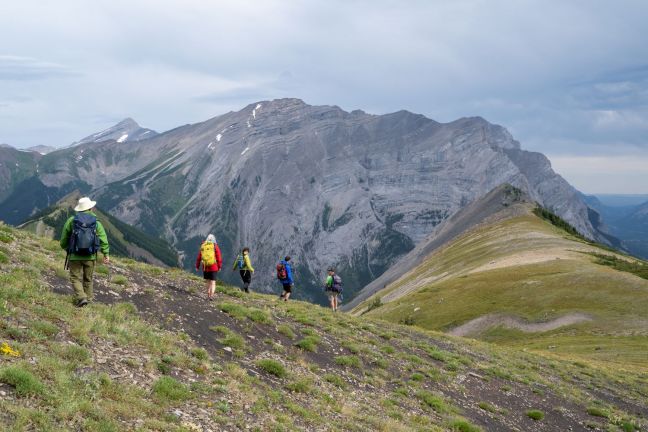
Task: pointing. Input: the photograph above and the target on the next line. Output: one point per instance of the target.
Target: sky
(567, 78)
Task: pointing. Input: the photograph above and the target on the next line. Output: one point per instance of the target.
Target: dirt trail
(485, 322)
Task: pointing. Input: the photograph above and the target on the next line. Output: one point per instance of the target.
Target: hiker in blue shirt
(285, 276)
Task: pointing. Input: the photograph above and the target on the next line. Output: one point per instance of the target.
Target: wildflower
(7, 350)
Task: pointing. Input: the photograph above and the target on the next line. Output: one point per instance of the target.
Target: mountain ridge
(330, 187)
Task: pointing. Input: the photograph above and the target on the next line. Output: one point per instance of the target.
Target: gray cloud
(27, 68)
(567, 78)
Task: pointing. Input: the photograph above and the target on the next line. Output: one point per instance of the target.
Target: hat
(211, 238)
(84, 204)
(331, 269)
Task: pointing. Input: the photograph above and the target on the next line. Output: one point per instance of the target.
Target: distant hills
(626, 217)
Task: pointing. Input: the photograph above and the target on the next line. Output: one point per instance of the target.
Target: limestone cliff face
(325, 186)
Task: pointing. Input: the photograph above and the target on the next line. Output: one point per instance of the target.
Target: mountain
(625, 220)
(42, 149)
(524, 278)
(152, 354)
(503, 202)
(633, 229)
(15, 167)
(125, 130)
(325, 186)
(124, 240)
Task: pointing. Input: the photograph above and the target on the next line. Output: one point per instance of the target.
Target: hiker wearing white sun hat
(82, 237)
(84, 204)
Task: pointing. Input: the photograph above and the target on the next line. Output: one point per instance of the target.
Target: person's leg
(76, 277)
(207, 285)
(335, 303)
(210, 289)
(88, 272)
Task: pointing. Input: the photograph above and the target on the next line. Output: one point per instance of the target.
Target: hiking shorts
(287, 287)
(246, 275)
(210, 275)
(332, 294)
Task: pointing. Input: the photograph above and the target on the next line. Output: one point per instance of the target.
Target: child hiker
(244, 267)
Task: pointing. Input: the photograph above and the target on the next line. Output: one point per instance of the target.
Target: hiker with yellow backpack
(210, 258)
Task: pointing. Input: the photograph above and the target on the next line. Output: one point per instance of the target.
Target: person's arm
(103, 242)
(235, 263)
(198, 260)
(248, 264)
(289, 273)
(65, 234)
(219, 258)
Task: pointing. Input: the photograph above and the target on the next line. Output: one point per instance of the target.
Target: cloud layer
(569, 79)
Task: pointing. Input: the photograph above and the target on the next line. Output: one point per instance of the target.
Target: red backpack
(281, 271)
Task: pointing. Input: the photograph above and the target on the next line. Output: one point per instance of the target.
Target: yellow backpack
(207, 254)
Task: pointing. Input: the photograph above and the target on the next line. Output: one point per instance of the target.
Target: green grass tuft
(536, 415)
(598, 412)
(309, 343)
(287, 331)
(348, 360)
(433, 401)
(25, 383)
(273, 367)
(168, 389)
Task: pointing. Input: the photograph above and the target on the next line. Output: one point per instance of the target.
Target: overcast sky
(567, 78)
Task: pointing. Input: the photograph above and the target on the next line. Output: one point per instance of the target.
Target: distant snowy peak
(125, 130)
(42, 149)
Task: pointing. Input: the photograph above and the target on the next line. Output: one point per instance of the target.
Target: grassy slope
(527, 268)
(290, 366)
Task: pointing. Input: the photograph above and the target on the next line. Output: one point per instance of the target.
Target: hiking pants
(246, 276)
(81, 277)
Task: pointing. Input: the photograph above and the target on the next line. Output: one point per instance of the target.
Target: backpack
(337, 284)
(281, 272)
(240, 262)
(84, 240)
(207, 254)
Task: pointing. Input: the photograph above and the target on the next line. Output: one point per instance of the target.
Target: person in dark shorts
(285, 276)
(210, 258)
(244, 266)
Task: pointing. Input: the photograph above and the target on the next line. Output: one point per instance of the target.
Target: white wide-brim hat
(84, 204)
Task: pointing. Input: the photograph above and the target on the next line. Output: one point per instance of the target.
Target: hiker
(244, 267)
(82, 237)
(210, 257)
(284, 274)
(333, 288)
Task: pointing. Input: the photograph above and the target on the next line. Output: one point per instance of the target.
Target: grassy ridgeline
(536, 269)
(103, 368)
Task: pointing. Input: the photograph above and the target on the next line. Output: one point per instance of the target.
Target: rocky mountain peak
(126, 130)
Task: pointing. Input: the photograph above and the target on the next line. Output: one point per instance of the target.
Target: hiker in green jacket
(333, 288)
(82, 237)
(244, 266)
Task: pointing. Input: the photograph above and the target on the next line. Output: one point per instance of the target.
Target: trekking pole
(67, 261)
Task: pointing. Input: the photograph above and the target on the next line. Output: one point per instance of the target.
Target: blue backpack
(240, 262)
(84, 239)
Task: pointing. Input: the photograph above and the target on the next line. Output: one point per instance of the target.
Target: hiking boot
(82, 303)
